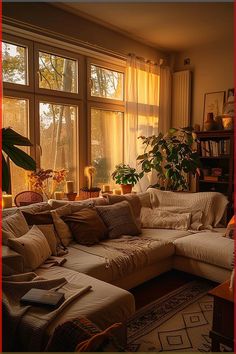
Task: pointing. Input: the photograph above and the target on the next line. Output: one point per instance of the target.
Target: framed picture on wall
(213, 103)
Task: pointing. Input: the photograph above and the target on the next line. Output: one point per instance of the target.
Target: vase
(227, 122)
(209, 123)
(126, 188)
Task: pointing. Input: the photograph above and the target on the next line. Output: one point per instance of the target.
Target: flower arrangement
(47, 181)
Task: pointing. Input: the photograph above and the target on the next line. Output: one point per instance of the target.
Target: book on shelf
(211, 178)
(212, 148)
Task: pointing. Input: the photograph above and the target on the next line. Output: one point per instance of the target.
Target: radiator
(181, 99)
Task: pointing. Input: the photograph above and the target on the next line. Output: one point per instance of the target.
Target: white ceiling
(167, 26)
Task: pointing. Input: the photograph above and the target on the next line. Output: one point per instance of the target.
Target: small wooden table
(223, 317)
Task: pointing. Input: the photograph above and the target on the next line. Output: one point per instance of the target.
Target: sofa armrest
(12, 262)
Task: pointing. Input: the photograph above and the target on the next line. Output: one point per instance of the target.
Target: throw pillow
(33, 247)
(119, 219)
(132, 199)
(14, 226)
(162, 219)
(49, 233)
(41, 218)
(230, 228)
(86, 226)
(61, 227)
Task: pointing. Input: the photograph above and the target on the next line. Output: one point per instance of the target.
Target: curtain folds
(142, 111)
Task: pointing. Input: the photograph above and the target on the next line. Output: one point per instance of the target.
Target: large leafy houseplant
(9, 151)
(172, 156)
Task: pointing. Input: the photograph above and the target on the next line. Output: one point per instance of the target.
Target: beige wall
(213, 70)
(57, 20)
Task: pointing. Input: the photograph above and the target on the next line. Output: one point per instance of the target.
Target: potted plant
(172, 156)
(126, 176)
(9, 151)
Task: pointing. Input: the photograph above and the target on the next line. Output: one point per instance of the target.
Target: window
(57, 73)
(15, 115)
(106, 142)
(14, 64)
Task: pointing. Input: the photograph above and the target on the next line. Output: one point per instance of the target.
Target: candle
(69, 186)
(6, 201)
(58, 195)
(117, 191)
(106, 188)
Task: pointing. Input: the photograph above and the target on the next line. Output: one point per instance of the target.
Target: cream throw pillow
(162, 219)
(33, 247)
(13, 226)
(62, 229)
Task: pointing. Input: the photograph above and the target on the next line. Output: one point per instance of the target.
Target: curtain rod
(148, 61)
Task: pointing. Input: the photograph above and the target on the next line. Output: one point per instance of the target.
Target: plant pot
(126, 188)
(86, 193)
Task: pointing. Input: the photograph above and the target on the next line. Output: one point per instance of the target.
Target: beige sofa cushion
(33, 247)
(62, 229)
(13, 226)
(164, 219)
(49, 233)
(208, 247)
(103, 305)
(213, 204)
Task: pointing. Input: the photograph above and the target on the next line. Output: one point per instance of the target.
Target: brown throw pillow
(132, 199)
(43, 218)
(86, 226)
(119, 219)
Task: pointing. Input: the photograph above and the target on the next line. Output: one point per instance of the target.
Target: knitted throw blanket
(24, 326)
(122, 255)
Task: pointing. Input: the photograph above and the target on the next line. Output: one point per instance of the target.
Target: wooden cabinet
(216, 150)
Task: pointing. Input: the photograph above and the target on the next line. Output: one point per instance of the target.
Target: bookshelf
(216, 150)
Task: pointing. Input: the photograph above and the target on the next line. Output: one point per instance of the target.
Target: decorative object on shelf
(210, 123)
(106, 188)
(6, 201)
(69, 186)
(197, 127)
(9, 139)
(47, 181)
(117, 191)
(213, 103)
(216, 171)
(126, 176)
(218, 120)
(71, 196)
(90, 191)
(58, 195)
(172, 156)
(230, 95)
(228, 121)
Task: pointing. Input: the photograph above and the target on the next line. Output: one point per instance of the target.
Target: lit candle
(117, 191)
(6, 201)
(69, 186)
(106, 188)
(58, 195)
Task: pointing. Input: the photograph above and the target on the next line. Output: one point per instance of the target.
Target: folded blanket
(27, 324)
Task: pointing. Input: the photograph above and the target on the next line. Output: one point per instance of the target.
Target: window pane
(15, 115)
(58, 131)
(57, 73)
(106, 143)
(14, 63)
(106, 83)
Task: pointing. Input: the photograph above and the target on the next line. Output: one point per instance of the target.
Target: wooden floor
(159, 286)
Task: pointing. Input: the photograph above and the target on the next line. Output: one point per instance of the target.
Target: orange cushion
(230, 228)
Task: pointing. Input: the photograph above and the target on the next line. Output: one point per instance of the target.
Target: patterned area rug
(179, 321)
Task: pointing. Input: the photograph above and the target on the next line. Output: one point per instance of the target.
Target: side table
(223, 317)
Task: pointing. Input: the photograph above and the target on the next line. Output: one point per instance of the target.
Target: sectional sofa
(201, 250)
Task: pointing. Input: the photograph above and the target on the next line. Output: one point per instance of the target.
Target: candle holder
(71, 196)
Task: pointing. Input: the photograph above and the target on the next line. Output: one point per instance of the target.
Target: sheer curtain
(142, 111)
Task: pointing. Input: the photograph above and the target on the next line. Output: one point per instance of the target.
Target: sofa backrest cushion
(212, 204)
(32, 208)
(119, 219)
(62, 229)
(163, 219)
(86, 226)
(33, 247)
(13, 226)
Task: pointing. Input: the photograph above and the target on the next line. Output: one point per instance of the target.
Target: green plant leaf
(19, 157)
(5, 175)
(10, 137)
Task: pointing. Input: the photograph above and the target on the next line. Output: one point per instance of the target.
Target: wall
(55, 19)
(213, 70)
